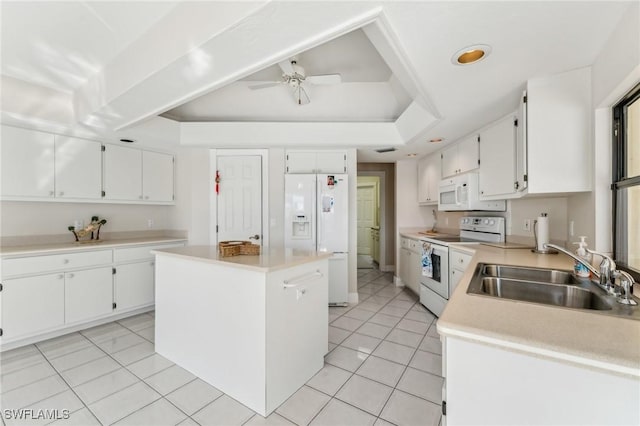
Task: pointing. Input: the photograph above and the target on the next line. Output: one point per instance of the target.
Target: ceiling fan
(294, 76)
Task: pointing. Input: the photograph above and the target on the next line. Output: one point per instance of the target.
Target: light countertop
(271, 260)
(40, 249)
(569, 335)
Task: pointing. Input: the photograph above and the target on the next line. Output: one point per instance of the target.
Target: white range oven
(435, 289)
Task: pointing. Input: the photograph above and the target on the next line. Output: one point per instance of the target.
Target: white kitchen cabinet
(403, 260)
(88, 294)
(429, 176)
(31, 305)
(141, 176)
(461, 157)
(458, 263)
(521, 145)
(497, 175)
(157, 176)
(316, 162)
(134, 285)
(78, 168)
(122, 173)
(27, 160)
(480, 380)
(415, 267)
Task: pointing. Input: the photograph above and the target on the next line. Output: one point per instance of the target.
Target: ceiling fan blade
(264, 85)
(324, 79)
(286, 67)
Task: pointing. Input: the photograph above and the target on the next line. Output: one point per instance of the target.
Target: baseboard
(353, 298)
(387, 268)
(397, 281)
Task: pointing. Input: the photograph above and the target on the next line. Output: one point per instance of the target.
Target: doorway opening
(368, 203)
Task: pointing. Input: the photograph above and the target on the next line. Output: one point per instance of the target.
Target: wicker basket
(235, 248)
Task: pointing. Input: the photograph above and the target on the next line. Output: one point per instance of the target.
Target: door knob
(255, 237)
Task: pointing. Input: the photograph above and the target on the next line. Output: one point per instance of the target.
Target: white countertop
(39, 249)
(569, 335)
(271, 260)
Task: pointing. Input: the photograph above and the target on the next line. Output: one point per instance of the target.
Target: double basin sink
(546, 286)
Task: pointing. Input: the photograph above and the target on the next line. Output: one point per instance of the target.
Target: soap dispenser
(579, 269)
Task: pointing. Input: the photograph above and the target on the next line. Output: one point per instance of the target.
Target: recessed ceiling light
(471, 54)
(412, 154)
(435, 140)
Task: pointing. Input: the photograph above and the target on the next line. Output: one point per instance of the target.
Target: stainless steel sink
(530, 274)
(550, 287)
(548, 294)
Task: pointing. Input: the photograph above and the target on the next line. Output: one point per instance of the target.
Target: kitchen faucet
(606, 276)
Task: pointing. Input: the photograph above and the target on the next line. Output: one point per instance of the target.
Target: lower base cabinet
(133, 285)
(87, 294)
(32, 304)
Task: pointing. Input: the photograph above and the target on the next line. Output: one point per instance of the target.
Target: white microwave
(461, 193)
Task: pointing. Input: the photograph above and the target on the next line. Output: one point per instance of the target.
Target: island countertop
(270, 260)
(568, 335)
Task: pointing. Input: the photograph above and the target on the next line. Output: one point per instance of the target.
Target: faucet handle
(626, 284)
(606, 260)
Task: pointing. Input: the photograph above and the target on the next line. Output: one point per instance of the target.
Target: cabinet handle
(461, 261)
(139, 197)
(60, 276)
(152, 263)
(146, 197)
(70, 275)
(65, 261)
(61, 193)
(51, 193)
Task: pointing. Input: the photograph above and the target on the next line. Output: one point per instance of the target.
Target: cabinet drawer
(459, 260)
(54, 262)
(139, 253)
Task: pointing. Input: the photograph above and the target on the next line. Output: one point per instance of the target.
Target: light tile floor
(384, 367)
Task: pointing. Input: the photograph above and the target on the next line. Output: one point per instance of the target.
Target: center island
(255, 327)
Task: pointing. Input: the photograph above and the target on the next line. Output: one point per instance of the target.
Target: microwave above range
(461, 193)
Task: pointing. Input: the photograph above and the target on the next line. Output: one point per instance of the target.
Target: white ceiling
(62, 45)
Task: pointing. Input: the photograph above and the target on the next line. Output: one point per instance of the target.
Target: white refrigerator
(316, 217)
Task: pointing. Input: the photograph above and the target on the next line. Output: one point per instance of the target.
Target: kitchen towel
(427, 264)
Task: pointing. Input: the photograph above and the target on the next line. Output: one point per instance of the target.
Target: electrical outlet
(149, 223)
(527, 225)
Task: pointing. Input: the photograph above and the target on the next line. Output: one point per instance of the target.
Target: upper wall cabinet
(461, 157)
(316, 162)
(428, 179)
(43, 165)
(131, 174)
(497, 174)
(27, 163)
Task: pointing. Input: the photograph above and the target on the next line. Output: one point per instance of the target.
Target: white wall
(22, 218)
(615, 71)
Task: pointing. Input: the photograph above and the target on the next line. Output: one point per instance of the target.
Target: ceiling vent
(383, 150)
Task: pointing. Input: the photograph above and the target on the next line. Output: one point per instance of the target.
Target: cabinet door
(433, 178)
(78, 168)
(122, 173)
(27, 163)
(468, 154)
(415, 269)
(521, 144)
(405, 255)
(423, 180)
(450, 161)
(88, 294)
(497, 158)
(157, 176)
(133, 285)
(32, 304)
(301, 162)
(331, 162)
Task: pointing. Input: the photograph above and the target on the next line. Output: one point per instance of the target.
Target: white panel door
(134, 285)
(88, 294)
(240, 198)
(122, 173)
(366, 217)
(27, 160)
(497, 158)
(78, 167)
(32, 304)
(157, 176)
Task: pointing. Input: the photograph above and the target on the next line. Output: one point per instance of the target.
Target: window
(626, 183)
